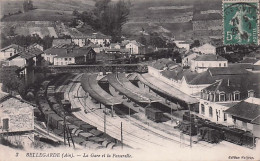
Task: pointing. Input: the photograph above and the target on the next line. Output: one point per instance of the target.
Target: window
(48, 58)
(251, 93)
(219, 64)
(5, 124)
(66, 59)
(211, 97)
(210, 112)
(11, 54)
(236, 95)
(225, 117)
(61, 63)
(224, 64)
(69, 59)
(202, 109)
(222, 96)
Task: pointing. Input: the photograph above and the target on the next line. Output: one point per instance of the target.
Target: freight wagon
(154, 114)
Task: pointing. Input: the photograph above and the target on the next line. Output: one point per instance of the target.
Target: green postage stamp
(240, 22)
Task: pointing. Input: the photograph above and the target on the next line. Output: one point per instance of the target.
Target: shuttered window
(5, 124)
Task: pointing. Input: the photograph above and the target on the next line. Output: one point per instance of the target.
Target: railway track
(113, 133)
(141, 127)
(134, 122)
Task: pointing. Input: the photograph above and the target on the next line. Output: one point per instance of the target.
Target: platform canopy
(165, 88)
(90, 85)
(114, 81)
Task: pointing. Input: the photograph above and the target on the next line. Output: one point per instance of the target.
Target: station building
(226, 93)
(246, 115)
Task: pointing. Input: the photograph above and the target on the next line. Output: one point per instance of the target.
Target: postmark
(240, 22)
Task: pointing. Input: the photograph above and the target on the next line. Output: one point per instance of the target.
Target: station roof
(128, 85)
(248, 109)
(90, 85)
(162, 87)
(115, 82)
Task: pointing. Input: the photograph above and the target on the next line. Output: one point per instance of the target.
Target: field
(46, 10)
(41, 15)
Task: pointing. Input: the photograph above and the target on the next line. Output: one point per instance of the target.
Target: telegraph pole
(105, 120)
(48, 119)
(122, 134)
(171, 112)
(64, 126)
(190, 126)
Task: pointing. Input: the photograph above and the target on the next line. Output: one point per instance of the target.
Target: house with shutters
(70, 54)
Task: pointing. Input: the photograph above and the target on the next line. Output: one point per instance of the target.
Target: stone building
(16, 120)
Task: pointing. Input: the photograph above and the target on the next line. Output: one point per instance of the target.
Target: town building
(133, 46)
(186, 60)
(35, 45)
(57, 42)
(205, 49)
(16, 120)
(96, 38)
(188, 81)
(26, 60)
(203, 62)
(115, 46)
(225, 93)
(10, 51)
(70, 54)
(183, 44)
(245, 115)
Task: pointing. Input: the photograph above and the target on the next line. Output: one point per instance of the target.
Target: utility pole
(105, 120)
(48, 119)
(171, 112)
(64, 126)
(122, 134)
(190, 126)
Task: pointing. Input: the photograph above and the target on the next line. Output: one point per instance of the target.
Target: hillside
(47, 10)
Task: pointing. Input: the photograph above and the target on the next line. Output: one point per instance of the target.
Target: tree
(196, 43)
(75, 13)
(47, 42)
(27, 5)
(11, 82)
(108, 17)
(142, 40)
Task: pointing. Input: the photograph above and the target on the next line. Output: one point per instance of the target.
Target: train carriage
(209, 135)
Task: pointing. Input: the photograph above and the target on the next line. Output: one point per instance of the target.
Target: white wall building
(182, 44)
(205, 49)
(9, 51)
(203, 62)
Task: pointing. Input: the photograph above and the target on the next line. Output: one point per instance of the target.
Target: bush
(11, 145)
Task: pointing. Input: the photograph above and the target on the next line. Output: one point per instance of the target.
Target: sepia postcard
(133, 80)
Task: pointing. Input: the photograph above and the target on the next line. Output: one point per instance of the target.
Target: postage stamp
(240, 22)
